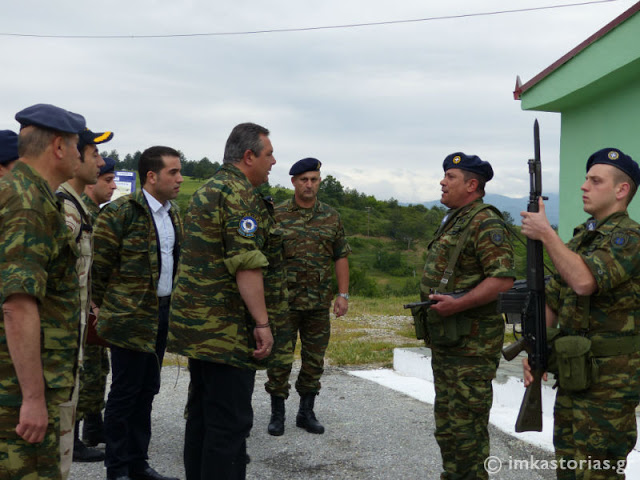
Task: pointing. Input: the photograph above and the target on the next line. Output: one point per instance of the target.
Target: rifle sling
(453, 259)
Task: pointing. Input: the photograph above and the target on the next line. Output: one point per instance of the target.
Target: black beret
(305, 165)
(617, 158)
(8, 146)
(87, 137)
(470, 163)
(52, 117)
(108, 167)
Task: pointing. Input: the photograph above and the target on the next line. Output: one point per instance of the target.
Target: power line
(307, 29)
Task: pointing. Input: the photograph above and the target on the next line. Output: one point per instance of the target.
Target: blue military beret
(470, 163)
(8, 146)
(87, 137)
(52, 117)
(617, 158)
(305, 165)
(108, 167)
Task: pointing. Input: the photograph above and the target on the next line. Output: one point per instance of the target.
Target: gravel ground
(371, 433)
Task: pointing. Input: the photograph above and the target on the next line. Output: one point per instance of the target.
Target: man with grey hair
(229, 287)
(39, 295)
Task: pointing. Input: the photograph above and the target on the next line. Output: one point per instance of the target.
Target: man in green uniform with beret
(96, 369)
(39, 323)
(594, 301)
(102, 191)
(314, 240)
(470, 251)
(230, 275)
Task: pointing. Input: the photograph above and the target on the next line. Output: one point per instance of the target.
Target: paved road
(372, 433)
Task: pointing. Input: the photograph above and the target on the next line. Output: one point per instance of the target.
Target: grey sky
(381, 106)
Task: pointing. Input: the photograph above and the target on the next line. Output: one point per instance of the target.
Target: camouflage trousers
(464, 396)
(20, 460)
(594, 430)
(93, 380)
(314, 328)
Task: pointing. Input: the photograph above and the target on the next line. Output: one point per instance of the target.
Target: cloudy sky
(380, 105)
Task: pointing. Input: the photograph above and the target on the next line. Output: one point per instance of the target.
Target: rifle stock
(530, 414)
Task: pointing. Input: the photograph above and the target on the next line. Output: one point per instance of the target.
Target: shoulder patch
(497, 237)
(619, 239)
(248, 226)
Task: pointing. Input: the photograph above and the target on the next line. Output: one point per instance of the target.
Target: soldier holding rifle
(470, 251)
(594, 301)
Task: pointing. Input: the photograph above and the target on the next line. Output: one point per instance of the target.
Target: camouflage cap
(49, 116)
(617, 158)
(470, 163)
(8, 146)
(305, 165)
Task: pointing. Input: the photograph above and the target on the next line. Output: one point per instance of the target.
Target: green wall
(598, 94)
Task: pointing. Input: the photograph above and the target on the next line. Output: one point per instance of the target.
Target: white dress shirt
(167, 239)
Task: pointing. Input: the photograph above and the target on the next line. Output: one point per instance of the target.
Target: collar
(154, 204)
(293, 205)
(607, 223)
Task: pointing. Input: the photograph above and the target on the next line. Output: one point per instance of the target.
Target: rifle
(519, 286)
(530, 304)
(428, 303)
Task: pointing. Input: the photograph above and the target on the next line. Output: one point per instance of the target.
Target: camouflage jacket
(313, 239)
(78, 221)
(92, 207)
(227, 228)
(487, 252)
(611, 250)
(126, 269)
(38, 258)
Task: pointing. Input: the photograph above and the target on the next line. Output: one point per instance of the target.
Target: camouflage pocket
(447, 331)
(577, 367)
(59, 357)
(420, 324)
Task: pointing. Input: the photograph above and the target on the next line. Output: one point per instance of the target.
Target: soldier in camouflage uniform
(8, 151)
(137, 242)
(95, 368)
(79, 222)
(229, 284)
(102, 191)
(471, 251)
(39, 292)
(314, 240)
(596, 295)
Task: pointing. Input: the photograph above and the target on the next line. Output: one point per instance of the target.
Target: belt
(164, 301)
(610, 347)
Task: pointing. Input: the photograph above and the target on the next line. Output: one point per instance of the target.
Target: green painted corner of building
(596, 89)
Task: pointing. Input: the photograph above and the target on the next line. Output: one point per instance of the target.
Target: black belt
(164, 301)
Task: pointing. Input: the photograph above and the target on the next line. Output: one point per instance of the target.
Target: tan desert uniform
(79, 223)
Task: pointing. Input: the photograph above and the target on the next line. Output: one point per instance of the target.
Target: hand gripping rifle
(530, 304)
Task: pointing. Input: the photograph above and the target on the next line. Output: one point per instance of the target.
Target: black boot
(82, 453)
(276, 424)
(306, 418)
(93, 429)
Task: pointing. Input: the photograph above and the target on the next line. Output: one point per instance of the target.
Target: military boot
(82, 453)
(93, 429)
(276, 424)
(306, 418)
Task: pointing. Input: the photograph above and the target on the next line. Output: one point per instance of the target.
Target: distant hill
(516, 205)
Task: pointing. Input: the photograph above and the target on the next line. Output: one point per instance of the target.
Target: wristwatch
(344, 295)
